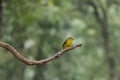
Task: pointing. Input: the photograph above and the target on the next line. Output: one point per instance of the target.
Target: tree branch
(33, 62)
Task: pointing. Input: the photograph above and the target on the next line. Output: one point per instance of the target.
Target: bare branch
(33, 62)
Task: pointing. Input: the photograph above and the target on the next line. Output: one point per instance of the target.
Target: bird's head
(70, 38)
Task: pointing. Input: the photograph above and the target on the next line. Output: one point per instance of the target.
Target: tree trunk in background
(103, 22)
(108, 49)
(1, 8)
(39, 69)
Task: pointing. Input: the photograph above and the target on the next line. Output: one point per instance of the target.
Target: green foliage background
(37, 29)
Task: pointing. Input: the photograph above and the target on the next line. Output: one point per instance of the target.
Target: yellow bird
(67, 42)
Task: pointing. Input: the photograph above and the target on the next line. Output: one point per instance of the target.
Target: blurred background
(38, 28)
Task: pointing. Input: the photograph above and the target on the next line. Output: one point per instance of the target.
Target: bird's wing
(64, 43)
